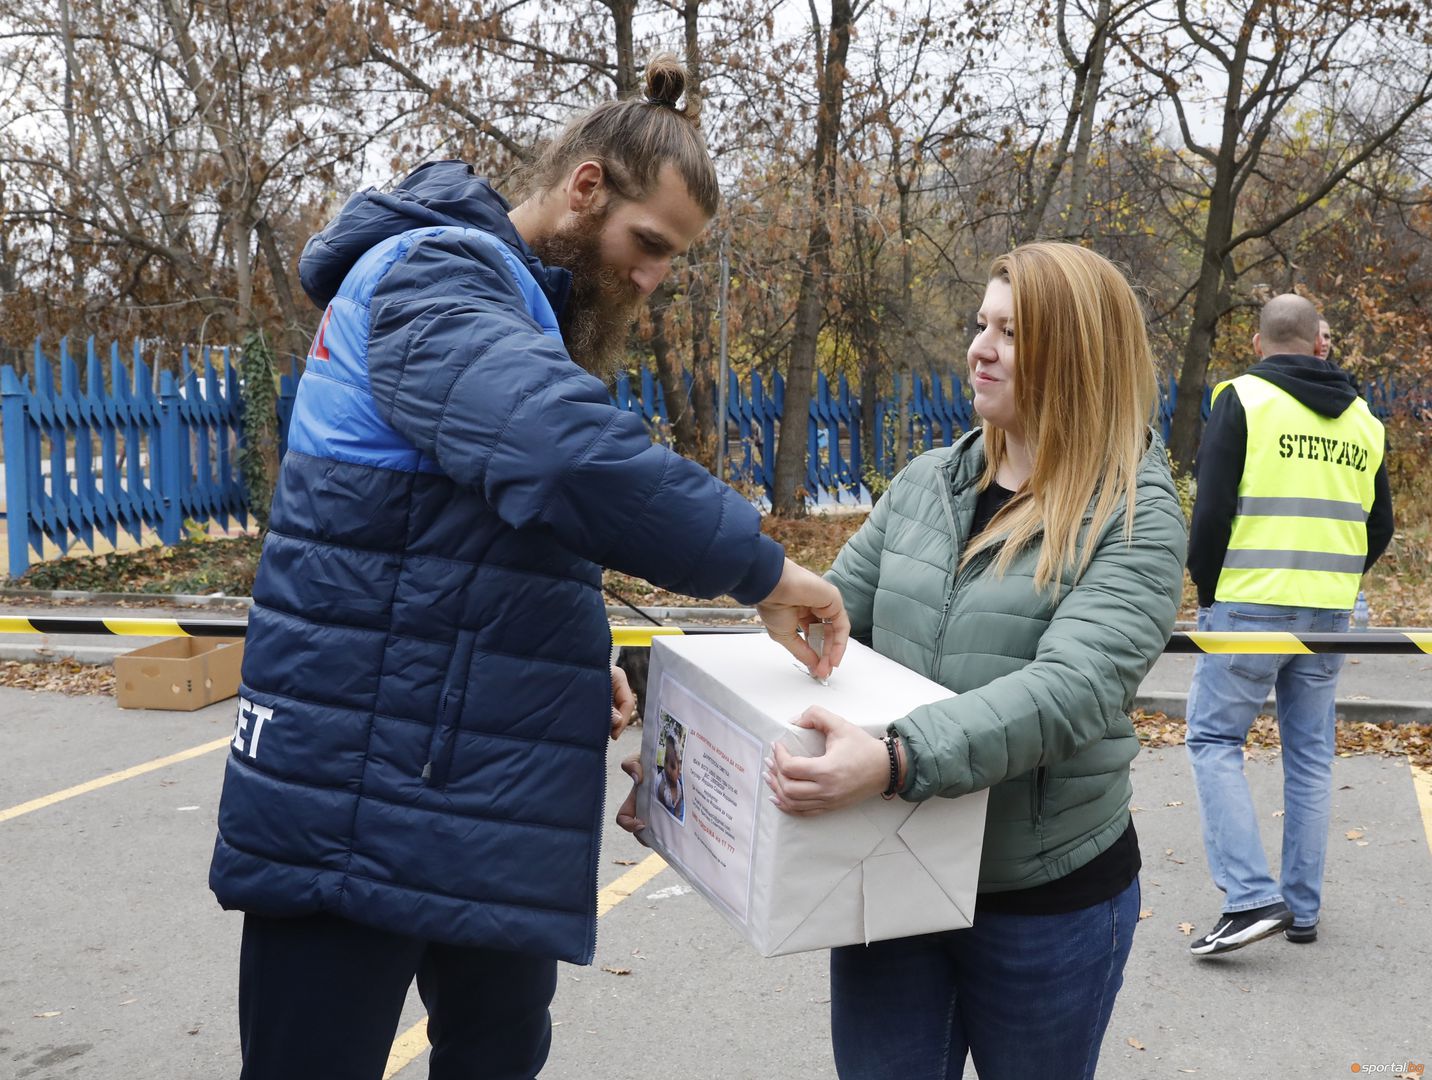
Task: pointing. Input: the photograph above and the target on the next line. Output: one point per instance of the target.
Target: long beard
(602, 306)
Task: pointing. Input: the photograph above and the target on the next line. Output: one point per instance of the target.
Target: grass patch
(194, 567)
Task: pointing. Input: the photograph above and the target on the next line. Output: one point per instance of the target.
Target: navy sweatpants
(320, 999)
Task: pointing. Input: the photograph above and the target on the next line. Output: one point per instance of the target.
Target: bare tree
(1085, 59)
(192, 133)
(832, 46)
(1270, 57)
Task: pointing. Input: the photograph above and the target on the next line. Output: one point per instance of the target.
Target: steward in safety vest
(1293, 503)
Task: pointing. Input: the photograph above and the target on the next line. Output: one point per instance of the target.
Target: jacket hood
(1319, 384)
(438, 193)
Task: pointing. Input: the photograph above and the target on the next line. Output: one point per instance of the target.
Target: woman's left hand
(854, 767)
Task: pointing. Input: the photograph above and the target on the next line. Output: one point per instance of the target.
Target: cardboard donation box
(715, 706)
(183, 673)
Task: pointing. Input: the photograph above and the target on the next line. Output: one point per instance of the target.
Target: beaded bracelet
(889, 792)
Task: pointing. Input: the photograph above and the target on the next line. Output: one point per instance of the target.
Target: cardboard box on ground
(715, 706)
(183, 673)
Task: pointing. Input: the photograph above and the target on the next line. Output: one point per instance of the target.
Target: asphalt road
(116, 963)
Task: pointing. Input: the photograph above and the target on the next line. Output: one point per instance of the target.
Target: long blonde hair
(1084, 389)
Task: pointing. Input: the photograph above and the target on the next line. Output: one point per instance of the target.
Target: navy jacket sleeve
(458, 366)
(1219, 470)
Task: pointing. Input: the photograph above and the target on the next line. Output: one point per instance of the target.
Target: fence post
(17, 471)
(287, 394)
(171, 515)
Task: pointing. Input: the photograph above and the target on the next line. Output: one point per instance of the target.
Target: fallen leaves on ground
(1413, 741)
(57, 676)
(1135, 1043)
(616, 970)
(1185, 928)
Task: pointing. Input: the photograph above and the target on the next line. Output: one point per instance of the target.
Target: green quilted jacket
(1045, 681)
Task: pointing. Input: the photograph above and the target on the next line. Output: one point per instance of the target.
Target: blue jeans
(1227, 694)
(1024, 995)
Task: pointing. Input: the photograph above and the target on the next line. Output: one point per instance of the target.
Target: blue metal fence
(117, 454)
(114, 453)
(836, 460)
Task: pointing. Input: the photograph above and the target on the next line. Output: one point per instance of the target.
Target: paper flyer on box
(704, 794)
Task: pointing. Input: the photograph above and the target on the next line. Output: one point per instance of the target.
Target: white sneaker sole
(1256, 932)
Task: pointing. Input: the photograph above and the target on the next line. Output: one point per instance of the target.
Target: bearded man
(417, 776)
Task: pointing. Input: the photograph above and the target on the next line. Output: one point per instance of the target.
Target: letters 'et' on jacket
(426, 686)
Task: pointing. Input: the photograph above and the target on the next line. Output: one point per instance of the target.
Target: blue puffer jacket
(426, 691)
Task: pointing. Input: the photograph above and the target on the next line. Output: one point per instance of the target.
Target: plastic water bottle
(1360, 612)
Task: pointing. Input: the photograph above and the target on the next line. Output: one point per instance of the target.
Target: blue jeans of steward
(1227, 694)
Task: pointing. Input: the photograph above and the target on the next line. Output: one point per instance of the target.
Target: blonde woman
(1034, 568)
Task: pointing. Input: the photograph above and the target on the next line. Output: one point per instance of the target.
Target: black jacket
(1320, 385)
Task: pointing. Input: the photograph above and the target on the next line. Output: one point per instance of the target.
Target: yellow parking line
(407, 1047)
(629, 883)
(411, 1043)
(113, 778)
(1422, 784)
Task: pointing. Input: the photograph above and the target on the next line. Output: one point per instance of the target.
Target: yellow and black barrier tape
(1415, 642)
(1287, 643)
(49, 624)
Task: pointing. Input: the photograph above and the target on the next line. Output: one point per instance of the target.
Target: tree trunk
(1089, 104)
(703, 376)
(668, 374)
(623, 11)
(297, 328)
(867, 335)
(76, 241)
(1193, 371)
(906, 364)
(703, 365)
(240, 233)
(788, 499)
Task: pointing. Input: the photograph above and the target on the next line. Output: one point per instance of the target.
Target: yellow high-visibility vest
(1300, 531)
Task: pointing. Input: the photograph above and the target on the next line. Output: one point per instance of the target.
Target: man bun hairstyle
(633, 138)
(666, 82)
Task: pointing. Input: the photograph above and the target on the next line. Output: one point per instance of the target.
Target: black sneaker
(1238, 928)
(1302, 935)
